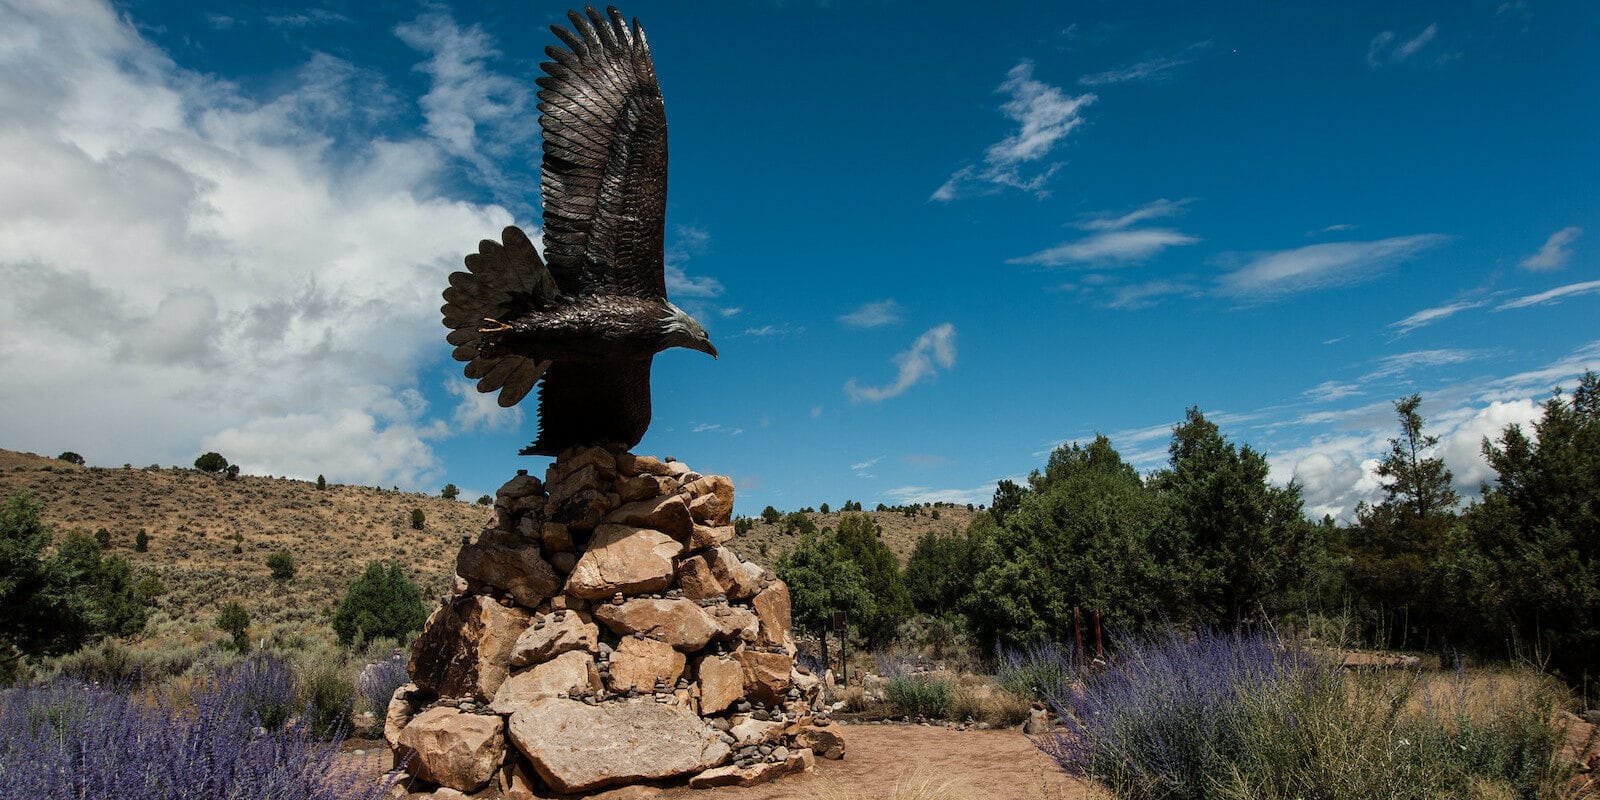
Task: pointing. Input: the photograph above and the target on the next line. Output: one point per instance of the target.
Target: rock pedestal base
(604, 636)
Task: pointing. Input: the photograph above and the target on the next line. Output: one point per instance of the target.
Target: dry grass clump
(978, 699)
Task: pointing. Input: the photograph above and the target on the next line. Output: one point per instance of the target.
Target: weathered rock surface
(399, 714)
(465, 647)
(639, 663)
(572, 669)
(734, 622)
(766, 675)
(734, 775)
(680, 623)
(711, 500)
(576, 747)
(623, 559)
(669, 514)
(721, 683)
(696, 579)
(772, 607)
(549, 637)
(741, 579)
(453, 748)
(502, 563)
(827, 742)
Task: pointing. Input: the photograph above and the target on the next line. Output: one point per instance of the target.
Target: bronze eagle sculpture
(585, 321)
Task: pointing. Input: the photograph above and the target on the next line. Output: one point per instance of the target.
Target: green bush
(141, 542)
(235, 621)
(382, 602)
(418, 519)
(921, 696)
(282, 565)
(211, 462)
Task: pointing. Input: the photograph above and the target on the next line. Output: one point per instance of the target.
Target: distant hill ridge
(195, 520)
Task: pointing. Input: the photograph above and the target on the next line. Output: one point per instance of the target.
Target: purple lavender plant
(1165, 716)
(69, 740)
(263, 683)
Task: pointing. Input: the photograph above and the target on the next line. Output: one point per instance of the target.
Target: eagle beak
(711, 349)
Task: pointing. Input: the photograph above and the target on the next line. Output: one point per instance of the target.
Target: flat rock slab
(576, 747)
(680, 623)
(622, 558)
(549, 637)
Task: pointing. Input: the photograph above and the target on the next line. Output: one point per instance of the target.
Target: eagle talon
(497, 328)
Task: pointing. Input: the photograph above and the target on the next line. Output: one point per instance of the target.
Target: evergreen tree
(282, 566)
(1526, 560)
(418, 519)
(211, 462)
(821, 581)
(1247, 542)
(1395, 544)
(860, 540)
(322, 483)
(449, 492)
(382, 602)
(235, 621)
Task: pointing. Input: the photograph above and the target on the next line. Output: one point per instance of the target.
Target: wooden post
(1099, 646)
(826, 664)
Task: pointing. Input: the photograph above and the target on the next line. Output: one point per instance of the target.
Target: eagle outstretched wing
(502, 281)
(604, 176)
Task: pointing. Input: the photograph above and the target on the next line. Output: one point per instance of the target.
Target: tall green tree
(821, 581)
(1395, 544)
(1247, 542)
(1524, 565)
(861, 541)
(1087, 535)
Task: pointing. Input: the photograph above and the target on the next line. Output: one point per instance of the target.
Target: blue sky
(931, 241)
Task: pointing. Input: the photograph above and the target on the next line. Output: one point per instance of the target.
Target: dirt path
(905, 762)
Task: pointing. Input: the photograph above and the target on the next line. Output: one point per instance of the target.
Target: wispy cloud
(1145, 295)
(1388, 48)
(1551, 296)
(1271, 274)
(307, 19)
(773, 330)
(472, 111)
(1152, 69)
(1556, 251)
(873, 315)
(1400, 363)
(1339, 227)
(863, 469)
(1428, 316)
(1044, 114)
(932, 351)
(715, 427)
(1155, 209)
(1108, 248)
(1328, 391)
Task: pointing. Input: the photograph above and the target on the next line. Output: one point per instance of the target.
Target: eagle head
(683, 330)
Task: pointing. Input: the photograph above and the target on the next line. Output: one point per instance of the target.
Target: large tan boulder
(453, 748)
(576, 747)
(766, 675)
(559, 675)
(465, 647)
(721, 683)
(772, 608)
(551, 635)
(638, 663)
(696, 579)
(501, 562)
(707, 536)
(741, 579)
(670, 515)
(399, 714)
(621, 558)
(678, 622)
(827, 742)
(629, 464)
(644, 487)
(711, 499)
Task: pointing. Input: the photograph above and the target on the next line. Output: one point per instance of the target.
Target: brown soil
(892, 762)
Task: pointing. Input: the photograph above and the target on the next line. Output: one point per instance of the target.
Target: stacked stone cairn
(601, 634)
